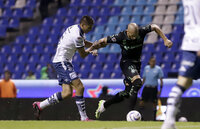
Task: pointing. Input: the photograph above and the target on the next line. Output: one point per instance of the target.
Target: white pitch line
(155, 127)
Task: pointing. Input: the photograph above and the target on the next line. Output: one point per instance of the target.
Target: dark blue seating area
(35, 49)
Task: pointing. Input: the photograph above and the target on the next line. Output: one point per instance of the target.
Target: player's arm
(98, 44)
(168, 43)
(83, 53)
(161, 86)
(88, 43)
(143, 80)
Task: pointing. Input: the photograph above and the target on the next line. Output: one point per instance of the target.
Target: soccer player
(72, 39)
(190, 64)
(131, 43)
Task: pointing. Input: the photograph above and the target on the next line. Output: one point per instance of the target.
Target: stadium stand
(36, 48)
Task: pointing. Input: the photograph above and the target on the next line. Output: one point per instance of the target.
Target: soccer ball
(133, 116)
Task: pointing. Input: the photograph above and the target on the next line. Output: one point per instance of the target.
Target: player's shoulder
(147, 67)
(157, 67)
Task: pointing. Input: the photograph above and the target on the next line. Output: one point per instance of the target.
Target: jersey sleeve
(79, 42)
(144, 73)
(117, 38)
(146, 29)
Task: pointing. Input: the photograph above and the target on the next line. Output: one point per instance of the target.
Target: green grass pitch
(91, 125)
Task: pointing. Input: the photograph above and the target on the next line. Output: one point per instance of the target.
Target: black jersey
(131, 49)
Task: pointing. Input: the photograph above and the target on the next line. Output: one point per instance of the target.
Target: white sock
(173, 103)
(80, 102)
(44, 104)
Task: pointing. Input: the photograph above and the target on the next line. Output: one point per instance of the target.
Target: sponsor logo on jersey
(72, 75)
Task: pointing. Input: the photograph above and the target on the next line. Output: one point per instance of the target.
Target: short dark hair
(87, 20)
(7, 71)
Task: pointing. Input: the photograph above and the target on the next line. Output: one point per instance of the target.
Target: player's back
(71, 39)
(191, 40)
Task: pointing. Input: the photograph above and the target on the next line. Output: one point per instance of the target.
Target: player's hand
(168, 43)
(94, 52)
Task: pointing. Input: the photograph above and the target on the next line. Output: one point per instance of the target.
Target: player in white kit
(190, 64)
(72, 40)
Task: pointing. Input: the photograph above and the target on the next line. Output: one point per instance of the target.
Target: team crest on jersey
(113, 38)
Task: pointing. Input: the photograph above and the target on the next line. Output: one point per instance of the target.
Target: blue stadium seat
(20, 40)
(101, 57)
(34, 31)
(14, 23)
(118, 2)
(121, 27)
(127, 10)
(75, 2)
(94, 11)
(89, 58)
(4, 22)
(108, 67)
(38, 49)
(178, 57)
(49, 48)
(85, 66)
(136, 19)
(34, 58)
(130, 2)
(30, 40)
(55, 30)
(72, 11)
(124, 20)
(68, 21)
(96, 3)
(52, 39)
(149, 9)
(99, 29)
(145, 57)
(104, 50)
(116, 74)
(158, 56)
(146, 20)
(10, 67)
(6, 49)
(7, 12)
(105, 74)
(17, 13)
(180, 10)
(12, 58)
(17, 48)
(47, 21)
(168, 57)
(77, 58)
(94, 75)
(151, 2)
(24, 57)
(41, 39)
(138, 10)
(45, 58)
(20, 67)
(96, 66)
(84, 74)
(28, 13)
(31, 67)
(2, 32)
(85, 2)
(113, 20)
(110, 29)
(148, 48)
(101, 20)
(166, 66)
(112, 57)
(141, 2)
(3, 57)
(107, 2)
(1, 4)
(9, 3)
(179, 19)
(31, 3)
(57, 21)
(83, 11)
(62, 12)
(115, 10)
(104, 11)
(27, 49)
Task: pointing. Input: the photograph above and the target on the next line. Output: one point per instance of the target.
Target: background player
(190, 64)
(131, 43)
(72, 39)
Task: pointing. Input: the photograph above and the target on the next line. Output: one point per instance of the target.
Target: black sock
(116, 99)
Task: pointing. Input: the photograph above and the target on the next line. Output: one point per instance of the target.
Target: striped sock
(80, 102)
(173, 103)
(54, 99)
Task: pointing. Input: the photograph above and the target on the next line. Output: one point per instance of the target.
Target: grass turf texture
(91, 125)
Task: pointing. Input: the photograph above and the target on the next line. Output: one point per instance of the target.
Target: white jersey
(191, 40)
(71, 39)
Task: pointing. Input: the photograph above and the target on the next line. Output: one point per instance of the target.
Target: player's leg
(154, 98)
(80, 101)
(190, 69)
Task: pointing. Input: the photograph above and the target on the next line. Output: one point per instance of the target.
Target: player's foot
(87, 119)
(100, 109)
(37, 110)
(168, 126)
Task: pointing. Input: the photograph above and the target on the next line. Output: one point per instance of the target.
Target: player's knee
(80, 86)
(66, 93)
(137, 83)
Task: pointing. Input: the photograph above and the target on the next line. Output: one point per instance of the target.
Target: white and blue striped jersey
(72, 38)
(191, 40)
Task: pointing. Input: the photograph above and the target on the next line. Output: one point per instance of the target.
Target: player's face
(132, 35)
(7, 76)
(152, 62)
(87, 28)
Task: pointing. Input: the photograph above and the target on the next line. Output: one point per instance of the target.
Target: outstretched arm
(168, 43)
(88, 43)
(98, 44)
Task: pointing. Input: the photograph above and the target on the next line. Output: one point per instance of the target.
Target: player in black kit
(131, 43)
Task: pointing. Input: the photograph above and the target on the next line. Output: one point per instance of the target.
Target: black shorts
(130, 68)
(150, 93)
